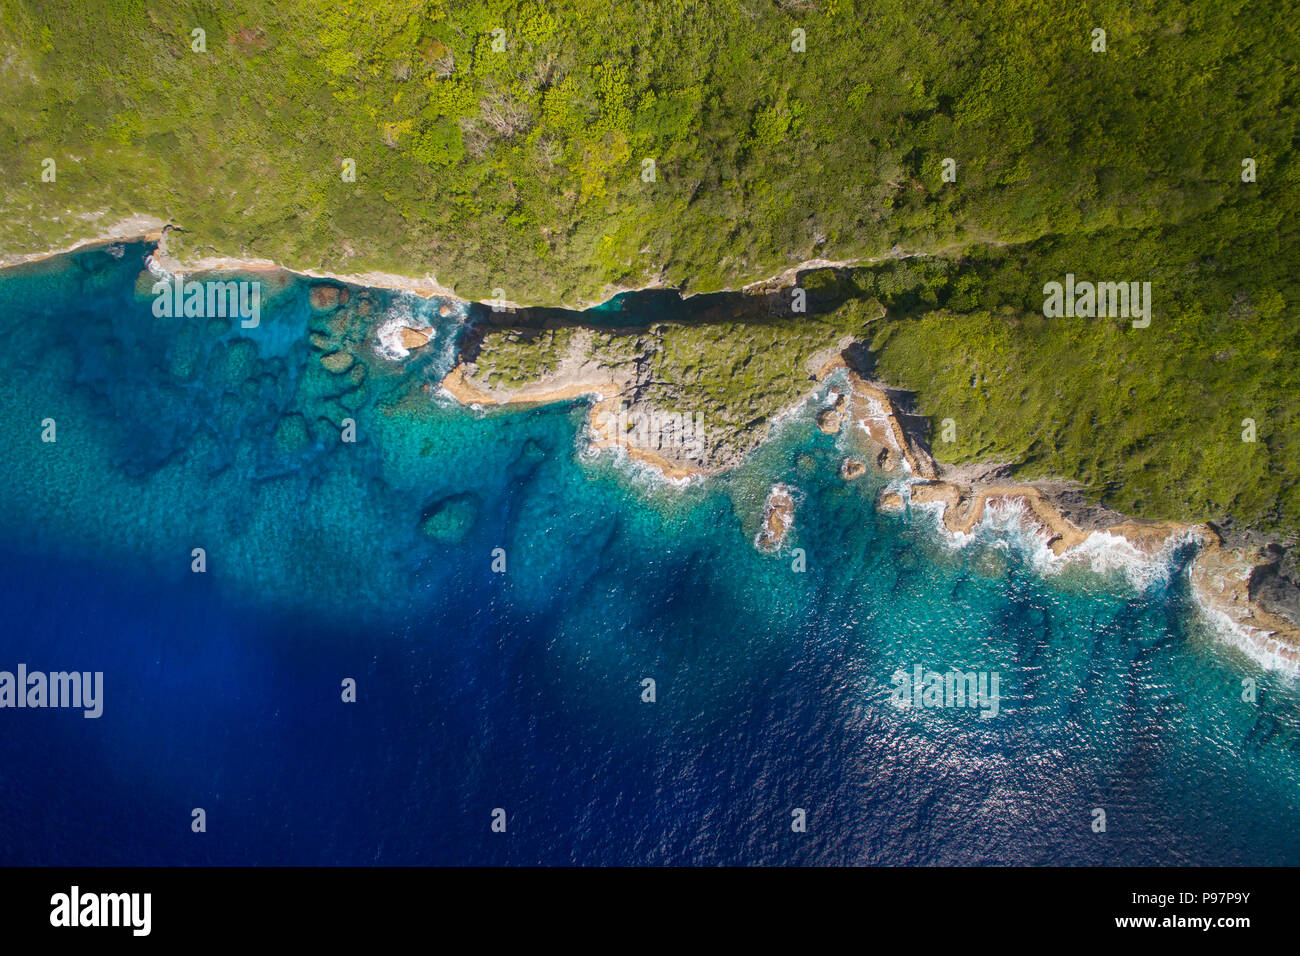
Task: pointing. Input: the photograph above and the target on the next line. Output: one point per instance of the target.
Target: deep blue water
(522, 690)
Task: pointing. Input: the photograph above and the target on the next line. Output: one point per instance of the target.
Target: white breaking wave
(400, 315)
(644, 471)
(155, 269)
(409, 311)
(1257, 644)
(1010, 521)
(1105, 552)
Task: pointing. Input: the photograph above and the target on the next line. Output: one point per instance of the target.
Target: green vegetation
(1151, 420)
(512, 358)
(517, 357)
(524, 170)
(738, 375)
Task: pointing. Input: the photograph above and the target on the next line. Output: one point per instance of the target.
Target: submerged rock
(449, 519)
(325, 297)
(183, 354)
(354, 398)
(852, 468)
(337, 324)
(337, 362)
(990, 563)
(533, 452)
(233, 364)
(291, 434)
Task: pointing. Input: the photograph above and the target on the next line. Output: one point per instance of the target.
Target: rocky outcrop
(828, 420)
(610, 388)
(1224, 581)
(616, 420)
(875, 411)
(461, 384)
(603, 433)
(778, 519)
(1228, 582)
(964, 508)
(413, 338)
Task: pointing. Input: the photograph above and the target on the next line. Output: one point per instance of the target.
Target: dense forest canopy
(522, 168)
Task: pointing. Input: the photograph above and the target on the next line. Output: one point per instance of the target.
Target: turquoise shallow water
(522, 690)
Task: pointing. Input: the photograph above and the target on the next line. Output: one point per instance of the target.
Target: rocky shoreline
(574, 378)
(1250, 585)
(137, 228)
(1226, 575)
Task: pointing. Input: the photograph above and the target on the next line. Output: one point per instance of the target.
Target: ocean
(483, 695)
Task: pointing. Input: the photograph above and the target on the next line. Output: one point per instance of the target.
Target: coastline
(137, 228)
(145, 228)
(426, 287)
(1223, 577)
(601, 416)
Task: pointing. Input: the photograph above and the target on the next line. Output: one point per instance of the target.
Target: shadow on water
(821, 291)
